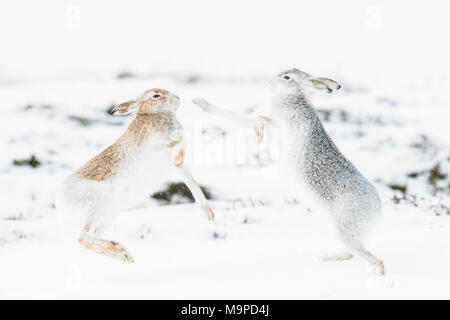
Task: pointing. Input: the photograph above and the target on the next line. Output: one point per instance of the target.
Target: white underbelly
(141, 177)
(289, 162)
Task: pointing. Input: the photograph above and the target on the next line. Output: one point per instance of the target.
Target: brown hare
(128, 171)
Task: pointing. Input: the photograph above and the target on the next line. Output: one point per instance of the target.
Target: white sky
(63, 39)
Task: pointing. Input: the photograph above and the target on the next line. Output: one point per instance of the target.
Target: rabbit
(128, 171)
(320, 174)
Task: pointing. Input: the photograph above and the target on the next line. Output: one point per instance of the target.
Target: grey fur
(318, 164)
(322, 176)
(330, 174)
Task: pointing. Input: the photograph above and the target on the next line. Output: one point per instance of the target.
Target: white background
(63, 57)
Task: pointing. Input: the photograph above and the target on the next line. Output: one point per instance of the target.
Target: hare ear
(124, 108)
(325, 84)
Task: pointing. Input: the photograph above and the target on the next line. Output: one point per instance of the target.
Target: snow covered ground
(390, 119)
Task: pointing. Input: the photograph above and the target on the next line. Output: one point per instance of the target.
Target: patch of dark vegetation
(19, 234)
(435, 175)
(339, 114)
(335, 114)
(415, 174)
(215, 131)
(344, 116)
(110, 108)
(125, 75)
(218, 235)
(397, 199)
(293, 202)
(144, 232)
(406, 197)
(399, 187)
(324, 114)
(32, 162)
(82, 120)
(178, 192)
(246, 203)
(29, 107)
(86, 122)
(440, 209)
(327, 115)
(424, 144)
(16, 217)
(248, 220)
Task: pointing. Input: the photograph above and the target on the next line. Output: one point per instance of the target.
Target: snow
(390, 119)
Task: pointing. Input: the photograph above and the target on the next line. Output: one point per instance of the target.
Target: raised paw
(209, 213)
(258, 126)
(202, 103)
(378, 268)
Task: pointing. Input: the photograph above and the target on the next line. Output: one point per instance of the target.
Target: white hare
(321, 175)
(128, 171)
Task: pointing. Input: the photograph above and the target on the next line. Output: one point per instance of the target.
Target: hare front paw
(378, 268)
(202, 103)
(208, 211)
(258, 126)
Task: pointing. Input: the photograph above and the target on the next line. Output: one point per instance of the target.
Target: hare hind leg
(108, 248)
(356, 247)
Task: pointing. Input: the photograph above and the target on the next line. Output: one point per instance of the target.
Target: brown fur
(103, 246)
(156, 90)
(173, 143)
(106, 247)
(107, 163)
(104, 165)
(150, 105)
(265, 118)
(146, 124)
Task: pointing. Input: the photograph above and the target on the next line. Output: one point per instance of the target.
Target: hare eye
(286, 77)
(156, 96)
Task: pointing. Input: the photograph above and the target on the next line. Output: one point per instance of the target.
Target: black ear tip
(338, 87)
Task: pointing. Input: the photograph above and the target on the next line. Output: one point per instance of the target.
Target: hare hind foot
(108, 248)
(337, 257)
